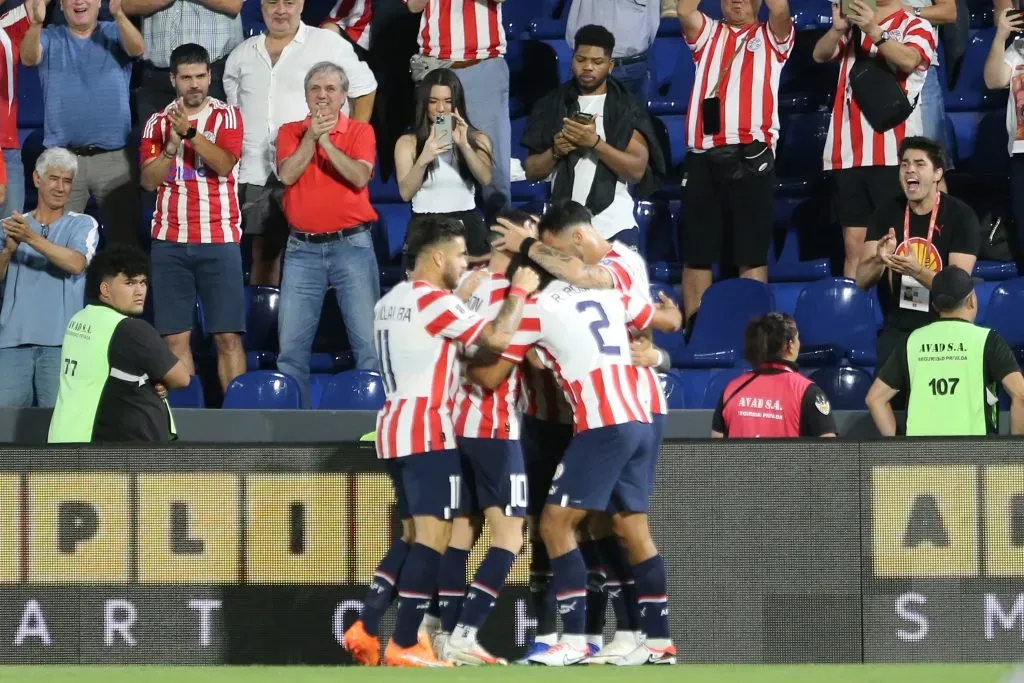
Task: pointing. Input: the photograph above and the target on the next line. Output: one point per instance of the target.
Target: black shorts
(544, 443)
(859, 191)
(726, 221)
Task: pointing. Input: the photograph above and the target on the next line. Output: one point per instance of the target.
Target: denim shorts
(211, 271)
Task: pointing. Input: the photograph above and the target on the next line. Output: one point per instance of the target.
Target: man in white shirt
(264, 78)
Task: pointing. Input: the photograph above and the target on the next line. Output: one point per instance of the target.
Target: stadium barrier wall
(777, 551)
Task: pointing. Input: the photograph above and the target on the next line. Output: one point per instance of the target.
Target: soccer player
(418, 326)
(573, 251)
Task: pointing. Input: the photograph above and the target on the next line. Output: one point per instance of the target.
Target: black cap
(950, 287)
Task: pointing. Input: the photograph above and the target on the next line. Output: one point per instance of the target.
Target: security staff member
(950, 368)
(773, 400)
(115, 369)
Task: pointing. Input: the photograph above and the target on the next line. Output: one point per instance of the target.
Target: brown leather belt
(468, 63)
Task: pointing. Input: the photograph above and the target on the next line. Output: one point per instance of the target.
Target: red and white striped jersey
(581, 335)
(851, 141)
(479, 412)
(354, 18)
(417, 329)
(461, 30)
(13, 27)
(543, 396)
(194, 204)
(750, 91)
(629, 272)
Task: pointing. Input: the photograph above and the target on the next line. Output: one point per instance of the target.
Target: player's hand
(533, 358)
(512, 235)
(886, 247)
(433, 147)
(840, 23)
(178, 119)
(160, 390)
(18, 229)
(526, 278)
(906, 265)
(643, 353)
(862, 16)
(469, 284)
(665, 302)
(562, 146)
(583, 135)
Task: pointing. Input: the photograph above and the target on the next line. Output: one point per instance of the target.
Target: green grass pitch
(902, 673)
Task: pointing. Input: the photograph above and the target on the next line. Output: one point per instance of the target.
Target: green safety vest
(948, 395)
(85, 369)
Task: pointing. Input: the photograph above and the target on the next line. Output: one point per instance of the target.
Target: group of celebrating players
(528, 387)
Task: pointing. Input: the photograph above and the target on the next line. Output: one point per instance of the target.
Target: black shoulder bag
(874, 86)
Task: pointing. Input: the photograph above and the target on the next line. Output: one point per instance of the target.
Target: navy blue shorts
(644, 469)
(213, 271)
(493, 475)
(426, 484)
(606, 469)
(544, 444)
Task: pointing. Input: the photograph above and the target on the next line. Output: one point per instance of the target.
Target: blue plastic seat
(846, 387)
(30, 97)
(657, 231)
(546, 28)
(188, 397)
(260, 338)
(561, 53)
(716, 385)
(1004, 312)
(995, 270)
(970, 93)
(663, 56)
(673, 389)
(801, 141)
(675, 131)
(984, 291)
(835, 318)
(262, 390)
(726, 309)
(786, 295)
(788, 267)
(392, 224)
(318, 382)
(676, 97)
(353, 390)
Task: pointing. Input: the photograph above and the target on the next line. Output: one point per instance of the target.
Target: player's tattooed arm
(569, 268)
(490, 376)
(497, 334)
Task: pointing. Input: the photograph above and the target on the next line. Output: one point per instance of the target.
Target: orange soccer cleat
(365, 649)
(415, 656)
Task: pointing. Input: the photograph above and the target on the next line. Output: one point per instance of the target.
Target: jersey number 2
(597, 327)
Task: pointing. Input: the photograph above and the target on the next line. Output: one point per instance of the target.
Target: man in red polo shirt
(325, 163)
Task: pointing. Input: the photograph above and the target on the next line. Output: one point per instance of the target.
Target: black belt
(321, 237)
(90, 150)
(632, 59)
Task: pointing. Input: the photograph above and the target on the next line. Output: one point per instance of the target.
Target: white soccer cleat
(470, 653)
(439, 643)
(621, 645)
(645, 654)
(561, 654)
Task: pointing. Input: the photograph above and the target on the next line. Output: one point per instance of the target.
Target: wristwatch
(191, 132)
(882, 38)
(917, 11)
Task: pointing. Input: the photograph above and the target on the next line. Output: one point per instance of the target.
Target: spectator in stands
(166, 24)
(14, 24)
(773, 400)
(950, 394)
(597, 140)
(42, 260)
(730, 172)
(1004, 68)
(468, 36)
(354, 18)
(933, 107)
(914, 237)
(189, 156)
(439, 172)
(264, 78)
(85, 68)
(634, 26)
(864, 160)
(325, 163)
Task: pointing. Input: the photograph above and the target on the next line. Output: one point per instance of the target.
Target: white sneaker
(621, 645)
(561, 654)
(470, 653)
(439, 643)
(645, 654)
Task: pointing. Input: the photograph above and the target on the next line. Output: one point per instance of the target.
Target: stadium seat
(188, 397)
(995, 270)
(519, 15)
(657, 231)
(260, 339)
(384, 191)
(30, 97)
(262, 390)
(726, 309)
(1004, 312)
(785, 295)
(546, 28)
(970, 94)
(835, 318)
(317, 383)
(716, 385)
(675, 130)
(788, 267)
(984, 291)
(673, 389)
(663, 56)
(562, 56)
(676, 98)
(801, 141)
(392, 223)
(353, 390)
(845, 387)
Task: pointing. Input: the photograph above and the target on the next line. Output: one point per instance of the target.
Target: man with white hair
(43, 261)
(325, 163)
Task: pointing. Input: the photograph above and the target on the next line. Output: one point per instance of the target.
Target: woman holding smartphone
(442, 161)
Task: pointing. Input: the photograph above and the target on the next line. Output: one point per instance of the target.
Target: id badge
(913, 295)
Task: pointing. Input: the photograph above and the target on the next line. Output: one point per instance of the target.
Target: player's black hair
(114, 260)
(766, 338)
(595, 36)
(428, 231)
(189, 53)
(931, 148)
(516, 216)
(562, 215)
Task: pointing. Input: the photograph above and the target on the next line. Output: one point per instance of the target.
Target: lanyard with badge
(913, 295)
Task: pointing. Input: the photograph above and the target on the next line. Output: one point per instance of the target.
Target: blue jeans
(29, 372)
(634, 77)
(347, 265)
(486, 86)
(15, 200)
(933, 112)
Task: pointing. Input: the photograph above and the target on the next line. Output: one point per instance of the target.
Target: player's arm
(667, 316)
(645, 354)
(559, 264)
(492, 375)
(497, 334)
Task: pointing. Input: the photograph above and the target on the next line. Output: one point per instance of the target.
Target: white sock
(463, 636)
(577, 641)
(548, 639)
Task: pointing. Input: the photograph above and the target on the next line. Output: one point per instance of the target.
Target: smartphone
(1016, 18)
(711, 115)
(443, 128)
(844, 6)
(583, 118)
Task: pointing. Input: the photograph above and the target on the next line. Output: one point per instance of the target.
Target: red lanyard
(931, 222)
